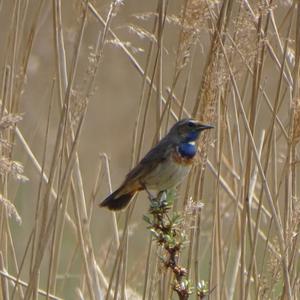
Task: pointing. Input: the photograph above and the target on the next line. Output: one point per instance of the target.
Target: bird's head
(188, 130)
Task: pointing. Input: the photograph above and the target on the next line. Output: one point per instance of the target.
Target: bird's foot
(160, 197)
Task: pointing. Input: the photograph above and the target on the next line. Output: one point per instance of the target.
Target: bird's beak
(201, 127)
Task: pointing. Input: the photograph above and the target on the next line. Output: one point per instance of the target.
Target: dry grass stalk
(234, 64)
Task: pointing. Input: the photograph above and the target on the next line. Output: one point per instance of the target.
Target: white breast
(166, 175)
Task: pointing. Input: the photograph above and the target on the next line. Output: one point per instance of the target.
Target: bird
(163, 167)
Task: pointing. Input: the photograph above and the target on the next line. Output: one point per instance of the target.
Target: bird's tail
(118, 200)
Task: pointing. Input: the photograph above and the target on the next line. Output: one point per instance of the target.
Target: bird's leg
(151, 197)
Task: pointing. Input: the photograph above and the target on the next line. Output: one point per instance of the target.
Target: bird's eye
(191, 124)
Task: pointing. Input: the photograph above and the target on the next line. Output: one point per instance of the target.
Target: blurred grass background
(234, 64)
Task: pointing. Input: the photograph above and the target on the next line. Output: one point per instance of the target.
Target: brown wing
(155, 156)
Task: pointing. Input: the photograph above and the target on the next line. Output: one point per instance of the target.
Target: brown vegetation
(80, 77)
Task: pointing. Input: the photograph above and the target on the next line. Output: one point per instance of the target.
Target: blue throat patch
(187, 150)
(191, 136)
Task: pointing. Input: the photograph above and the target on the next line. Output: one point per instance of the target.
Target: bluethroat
(163, 167)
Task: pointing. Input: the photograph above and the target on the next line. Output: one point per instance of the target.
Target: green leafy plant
(166, 229)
